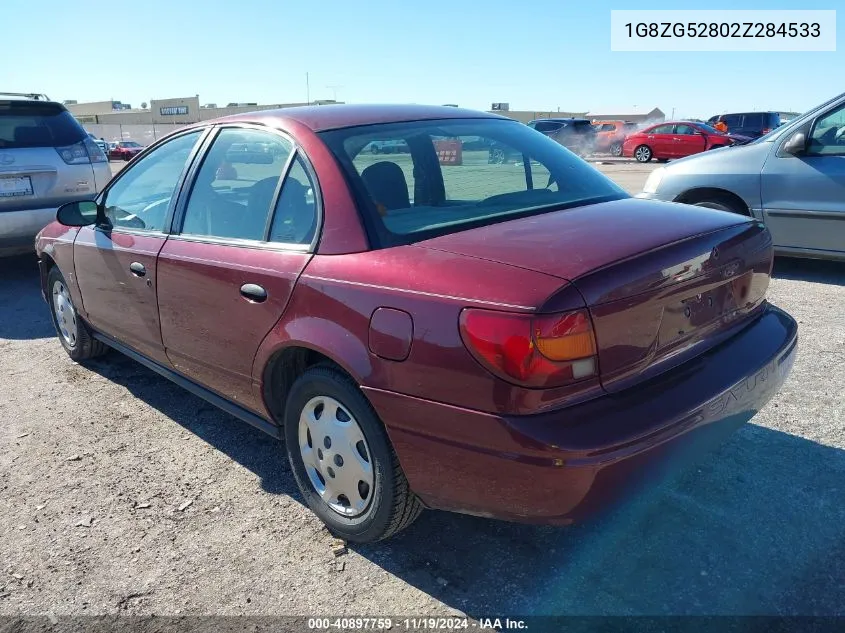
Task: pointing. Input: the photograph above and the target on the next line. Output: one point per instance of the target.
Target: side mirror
(82, 213)
(797, 144)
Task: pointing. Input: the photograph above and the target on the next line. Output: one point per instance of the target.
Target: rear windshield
(451, 175)
(26, 124)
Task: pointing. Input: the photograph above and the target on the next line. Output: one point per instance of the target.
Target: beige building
(529, 115)
(634, 115)
(167, 112)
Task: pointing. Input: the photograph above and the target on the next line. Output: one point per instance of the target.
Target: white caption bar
(719, 31)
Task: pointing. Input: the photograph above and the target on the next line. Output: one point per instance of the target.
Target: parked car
(576, 135)
(388, 147)
(748, 124)
(675, 139)
(526, 346)
(793, 179)
(46, 159)
(125, 150)
(611, 134)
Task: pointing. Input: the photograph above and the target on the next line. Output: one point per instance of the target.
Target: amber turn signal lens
(565, 337)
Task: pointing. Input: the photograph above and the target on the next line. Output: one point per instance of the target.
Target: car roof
(559, 120)
(335, 116)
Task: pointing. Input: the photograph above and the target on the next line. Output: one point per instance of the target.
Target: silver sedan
(793, 179)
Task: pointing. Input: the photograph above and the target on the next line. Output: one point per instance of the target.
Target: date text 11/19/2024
(414, 624)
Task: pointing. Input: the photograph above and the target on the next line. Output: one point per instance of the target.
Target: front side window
(461, 173)
(685, 129)
(828, 135)
(236, 185)
(141, 196)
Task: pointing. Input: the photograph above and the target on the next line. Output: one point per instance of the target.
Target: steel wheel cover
(336, 456)
(65, 314)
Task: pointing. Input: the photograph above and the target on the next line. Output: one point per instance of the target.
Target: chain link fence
(142, 133)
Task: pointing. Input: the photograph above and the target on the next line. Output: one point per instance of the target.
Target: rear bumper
(19, 228)
(562, 466)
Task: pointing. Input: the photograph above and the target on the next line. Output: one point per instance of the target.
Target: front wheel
(643, 154)
(342, 460)
(74, 335)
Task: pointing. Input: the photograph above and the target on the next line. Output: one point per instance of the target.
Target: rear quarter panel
(335, 297)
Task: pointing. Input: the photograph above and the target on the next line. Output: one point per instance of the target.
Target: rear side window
(754, 121)
(26, 124)
(236, 184)
(732, 120)
(547, 126)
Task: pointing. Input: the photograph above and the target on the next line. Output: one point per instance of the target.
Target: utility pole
(307, 89)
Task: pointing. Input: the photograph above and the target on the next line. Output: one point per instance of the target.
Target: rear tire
(74, 335)
(643, 153)
(616, 150)
(380, 503)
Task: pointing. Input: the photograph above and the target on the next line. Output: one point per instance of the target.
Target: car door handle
(137, 269)
(254, 292)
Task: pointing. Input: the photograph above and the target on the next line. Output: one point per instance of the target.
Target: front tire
(342, 460)
(73, 333)
(643, 153)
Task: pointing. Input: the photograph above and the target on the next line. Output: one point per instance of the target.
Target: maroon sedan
(521, 341)
(675, 140)
(124, 150)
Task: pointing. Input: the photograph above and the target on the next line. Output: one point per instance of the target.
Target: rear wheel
(616, 149)
(342, 459)
(74, 335)
(643, 153)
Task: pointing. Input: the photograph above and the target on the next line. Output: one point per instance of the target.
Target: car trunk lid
(663, 282)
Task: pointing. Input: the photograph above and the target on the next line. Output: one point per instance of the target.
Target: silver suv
(46, 160)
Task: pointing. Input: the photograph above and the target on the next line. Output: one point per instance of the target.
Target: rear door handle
(253, 292)
(137, 269)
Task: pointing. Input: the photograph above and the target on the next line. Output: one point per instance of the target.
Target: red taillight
(766, 130)
(537, 351)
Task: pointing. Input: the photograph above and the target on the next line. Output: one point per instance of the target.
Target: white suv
(46, 160)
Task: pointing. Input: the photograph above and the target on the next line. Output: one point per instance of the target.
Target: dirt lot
(98, 465)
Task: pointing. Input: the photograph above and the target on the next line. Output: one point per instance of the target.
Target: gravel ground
(122, 494)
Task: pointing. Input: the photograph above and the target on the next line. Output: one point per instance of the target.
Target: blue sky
(550, 54)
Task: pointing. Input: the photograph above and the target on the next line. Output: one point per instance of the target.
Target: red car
(675, 140)
(522, 342)
(124, 150)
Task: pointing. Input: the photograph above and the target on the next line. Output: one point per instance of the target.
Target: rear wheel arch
(48, 264)
(284, 367)
(721, 197)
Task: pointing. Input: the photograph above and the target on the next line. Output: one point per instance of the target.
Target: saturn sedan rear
(425, 329)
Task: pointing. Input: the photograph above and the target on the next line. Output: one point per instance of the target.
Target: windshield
(451, 175)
